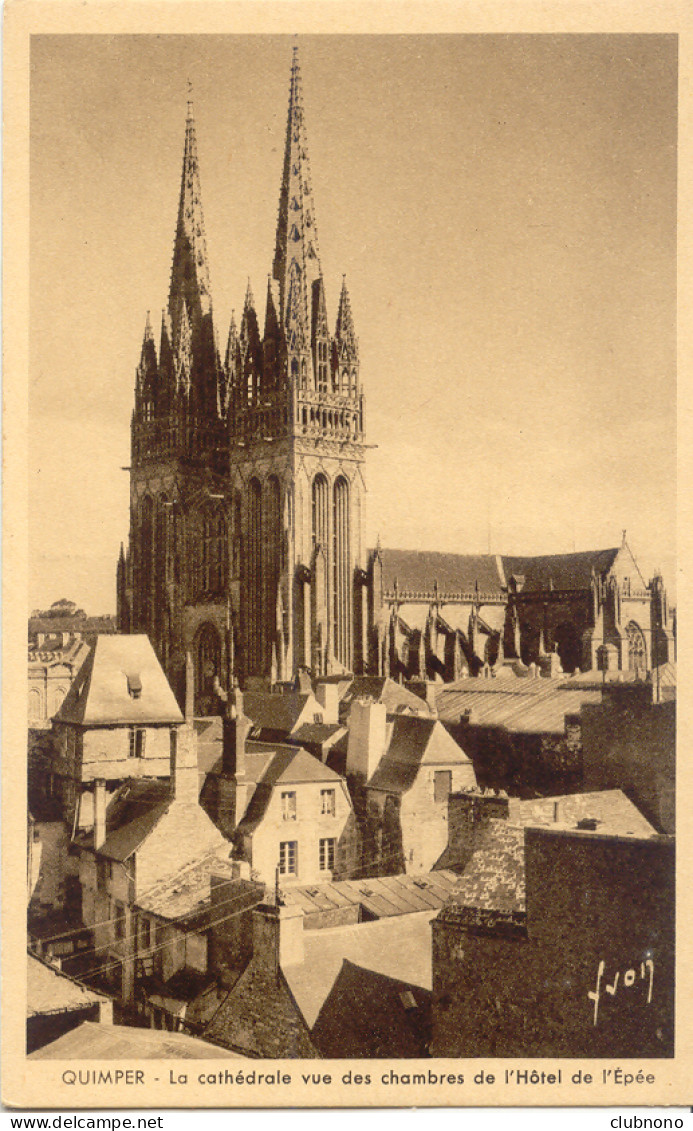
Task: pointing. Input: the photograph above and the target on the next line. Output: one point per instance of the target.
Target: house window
(119, 921)
(327, 844)
(317, 717)
(137, 737)
(442, 785)
(327, 798)
(288, 858)
(289, 806)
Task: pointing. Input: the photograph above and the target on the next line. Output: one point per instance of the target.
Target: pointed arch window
(340, 562)
(213, 552)
(320, 516)
(637, 648)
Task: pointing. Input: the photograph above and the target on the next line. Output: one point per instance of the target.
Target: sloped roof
(397, 947)
(318, 733)
(528, 706)
(414, 742)
(613, 811)
(381, 896)
(382, 689)
(90, 1041)
(99, 694)
(131, 816)
(565, 571)
(186, 896)
(276, 712)
(51, 991)
(416, 571)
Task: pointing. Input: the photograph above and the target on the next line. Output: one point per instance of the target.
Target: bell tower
(296, 453)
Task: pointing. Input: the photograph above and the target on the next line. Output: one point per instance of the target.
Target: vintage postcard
(341, 354)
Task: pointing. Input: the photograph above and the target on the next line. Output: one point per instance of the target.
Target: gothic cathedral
(247, 489)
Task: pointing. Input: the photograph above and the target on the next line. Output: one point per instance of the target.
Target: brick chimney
(277, 937)
(468, 817)
(99, 812)
(367, 736)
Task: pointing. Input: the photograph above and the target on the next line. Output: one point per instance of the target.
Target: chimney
(99, 812)
(366, 738)
(189, 688)
(327, 695)
(236, 728)
(277, 937)
(184, 782)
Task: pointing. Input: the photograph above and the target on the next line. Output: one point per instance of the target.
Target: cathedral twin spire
(189, 366)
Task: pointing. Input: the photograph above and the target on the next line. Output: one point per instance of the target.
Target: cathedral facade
(247, 503)
(247, 472)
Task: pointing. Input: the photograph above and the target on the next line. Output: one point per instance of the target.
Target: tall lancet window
(272, 545)
(342, 587)
(254, 575)
(320, 511)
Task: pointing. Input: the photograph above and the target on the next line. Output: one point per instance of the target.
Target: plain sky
(504, 208)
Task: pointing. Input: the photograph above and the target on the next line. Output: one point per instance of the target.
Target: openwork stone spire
(296, 258)
(190, 271)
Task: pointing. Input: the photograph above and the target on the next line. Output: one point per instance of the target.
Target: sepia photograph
(352, 576)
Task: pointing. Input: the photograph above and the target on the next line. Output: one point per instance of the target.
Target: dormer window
(134, 685)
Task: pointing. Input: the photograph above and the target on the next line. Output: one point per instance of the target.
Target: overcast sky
(504, 208)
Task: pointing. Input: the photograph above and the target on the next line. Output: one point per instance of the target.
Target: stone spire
(345, 335)
(190, 271)
(147, 376)
(296, 264)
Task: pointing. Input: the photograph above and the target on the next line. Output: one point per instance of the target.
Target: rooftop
(562, 571)
(185, 897)
(51, 991)
(382, 689)
(92, 1041)
(380, 897)
(416, 571)
(397, 948)
(120, 682)
(131, 816)
(530, 706)
(414, 742)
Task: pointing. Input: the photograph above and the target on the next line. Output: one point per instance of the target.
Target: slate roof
(614, 812)
(276, 712)
(566, 571)
(397, 699)
(92, 1041)
(528, 706)
(317, 733)
(416, 571)
(185, 897)
(398, 948)
(99, 694)
(51, 991)
(381, 897)
(131, 816)
(413, 742)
